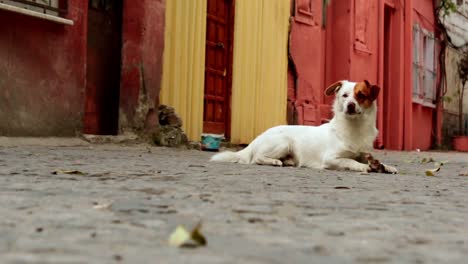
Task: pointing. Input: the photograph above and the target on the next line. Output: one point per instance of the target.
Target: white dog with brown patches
(339, 144)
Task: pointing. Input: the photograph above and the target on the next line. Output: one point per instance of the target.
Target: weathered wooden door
(103, 67)
(218, 66)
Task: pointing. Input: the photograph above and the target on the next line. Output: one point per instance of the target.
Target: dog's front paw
(277, 163)
(377, 166)
(390, 169)
(363, 168)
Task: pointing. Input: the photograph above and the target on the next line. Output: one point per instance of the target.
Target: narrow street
(124, 201)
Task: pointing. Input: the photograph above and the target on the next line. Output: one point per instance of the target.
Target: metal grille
(54, 7)
(425, 47)
(417, 93)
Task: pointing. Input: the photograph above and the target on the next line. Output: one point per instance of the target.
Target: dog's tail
(242, 156)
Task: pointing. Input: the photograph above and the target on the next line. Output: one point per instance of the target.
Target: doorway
(104, 45)
(218, 67)
(392, 91)
(386, 79)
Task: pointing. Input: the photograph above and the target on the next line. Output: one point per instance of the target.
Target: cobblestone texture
(250, 214)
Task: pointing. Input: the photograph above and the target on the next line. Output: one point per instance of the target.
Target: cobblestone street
(133, 196)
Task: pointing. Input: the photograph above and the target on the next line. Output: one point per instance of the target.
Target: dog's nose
(351, 108)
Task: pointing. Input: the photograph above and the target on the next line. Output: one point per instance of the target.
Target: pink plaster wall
(422, 127)
(354, 47)
(307, 53)
(423, 137)
(364, 40)
(338, 42)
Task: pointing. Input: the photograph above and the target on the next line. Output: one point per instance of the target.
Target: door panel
(218, 67)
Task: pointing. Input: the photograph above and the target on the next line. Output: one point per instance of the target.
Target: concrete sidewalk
(132, 198)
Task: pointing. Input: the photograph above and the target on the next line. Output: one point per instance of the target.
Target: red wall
(363, 39)
(423, 124)
(43, 70)
(338, 42)
(143, 45)
(307, 54)
(42, 74)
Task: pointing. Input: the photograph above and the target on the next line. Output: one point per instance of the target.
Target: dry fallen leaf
(198, 236)
(427, 160)
(183, 238)
(179, 237)
(102, 206)
(75, 172)
(342, 188)
(432, 172)
(441, 163)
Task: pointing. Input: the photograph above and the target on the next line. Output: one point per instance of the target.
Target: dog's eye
(345, 95)
(360, 95)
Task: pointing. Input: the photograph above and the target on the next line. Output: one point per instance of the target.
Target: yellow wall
(259, 92)
(184, 62)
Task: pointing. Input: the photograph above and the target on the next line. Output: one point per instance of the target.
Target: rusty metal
(45, 5)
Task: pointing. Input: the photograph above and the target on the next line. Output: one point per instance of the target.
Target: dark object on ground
(374, 164)
(170, 132)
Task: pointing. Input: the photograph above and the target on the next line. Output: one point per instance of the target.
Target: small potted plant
(460, 142)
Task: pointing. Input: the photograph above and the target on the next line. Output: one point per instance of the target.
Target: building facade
(70, 66)
(231, 67)
(457, 33)
(390, 43)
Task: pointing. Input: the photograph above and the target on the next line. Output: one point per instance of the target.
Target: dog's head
(353, 99)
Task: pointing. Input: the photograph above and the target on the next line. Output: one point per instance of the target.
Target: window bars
(425, 47)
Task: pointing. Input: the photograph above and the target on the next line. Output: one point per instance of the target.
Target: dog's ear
(367, 83)
(374, 92)
(334, 88)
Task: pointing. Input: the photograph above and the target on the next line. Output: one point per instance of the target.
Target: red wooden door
(103, 67)
(218, 67)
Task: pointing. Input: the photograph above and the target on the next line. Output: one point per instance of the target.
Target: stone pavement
(134, 196)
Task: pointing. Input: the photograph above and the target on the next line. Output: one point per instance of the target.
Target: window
(49, 7)
(424, 66)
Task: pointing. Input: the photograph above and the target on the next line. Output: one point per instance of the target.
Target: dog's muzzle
(351, 108)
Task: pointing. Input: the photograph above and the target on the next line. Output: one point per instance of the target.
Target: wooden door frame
(229, 69)
(393, 105)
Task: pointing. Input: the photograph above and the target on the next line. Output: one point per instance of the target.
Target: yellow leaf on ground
(179, 237)
(183, 238)
(432, 172)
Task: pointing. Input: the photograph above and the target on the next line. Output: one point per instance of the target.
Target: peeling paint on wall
(42, 74)
(143, 45)
(456, 25)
